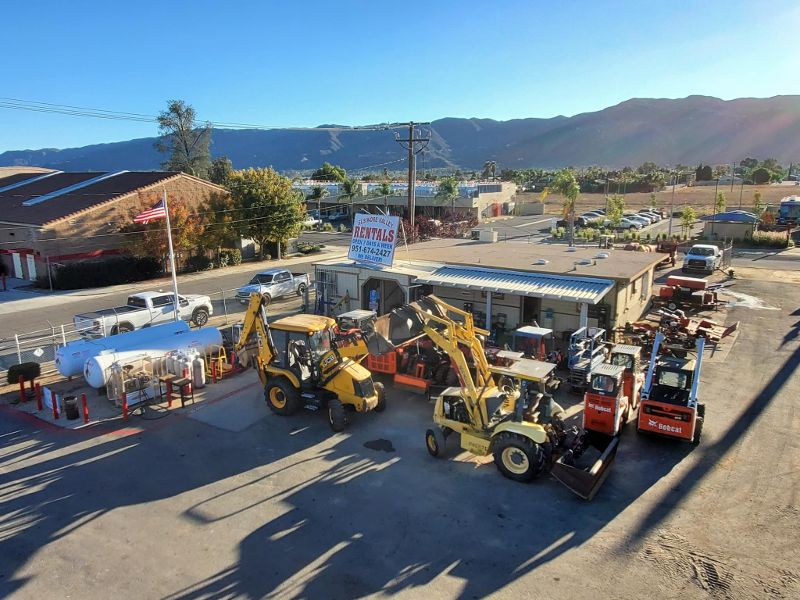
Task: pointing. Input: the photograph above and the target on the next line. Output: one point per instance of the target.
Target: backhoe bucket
(399, 326)
(581, 476)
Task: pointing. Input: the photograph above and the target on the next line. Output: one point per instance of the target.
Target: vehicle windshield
(674, 379)
(603, 383)
(702, 251)
(320, 342)
(136, 302)
(261, 279)
(622, 360)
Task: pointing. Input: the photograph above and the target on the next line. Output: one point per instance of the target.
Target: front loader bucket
(399, 326)
(584, 477)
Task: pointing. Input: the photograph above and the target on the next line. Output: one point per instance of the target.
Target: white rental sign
(374, 239)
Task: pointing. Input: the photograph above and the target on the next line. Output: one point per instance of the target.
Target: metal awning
(590, 290)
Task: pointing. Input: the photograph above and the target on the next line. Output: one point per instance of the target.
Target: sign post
(374, 239)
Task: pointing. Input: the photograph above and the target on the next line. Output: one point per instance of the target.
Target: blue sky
(308, 63)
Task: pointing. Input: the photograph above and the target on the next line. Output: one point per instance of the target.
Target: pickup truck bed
(107, 312)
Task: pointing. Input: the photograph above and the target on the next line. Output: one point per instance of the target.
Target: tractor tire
(301, 290)
(517, 457)
(698, 426)
(381, 391)
(282, 397)
(200, 317)
(337, 418)
(435, 442)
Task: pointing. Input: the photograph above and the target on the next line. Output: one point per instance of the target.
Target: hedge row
(111, 271)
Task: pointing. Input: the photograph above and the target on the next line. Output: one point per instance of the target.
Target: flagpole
(171, 259)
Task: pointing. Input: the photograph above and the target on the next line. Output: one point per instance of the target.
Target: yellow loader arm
(255, 336)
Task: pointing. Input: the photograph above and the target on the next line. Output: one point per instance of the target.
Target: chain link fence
(40, 346)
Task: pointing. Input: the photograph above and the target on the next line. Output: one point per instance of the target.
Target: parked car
(579, 222)
(649, 212)
(593, 216)
(705, 258)
(624, 223)
(645, 221)
(143, 310)
(273, 284)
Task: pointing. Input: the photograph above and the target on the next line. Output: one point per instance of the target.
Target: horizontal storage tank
(186, 342)
(71, 358)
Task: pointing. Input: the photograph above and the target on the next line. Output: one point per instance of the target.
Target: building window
(633, 287)
(645, 286)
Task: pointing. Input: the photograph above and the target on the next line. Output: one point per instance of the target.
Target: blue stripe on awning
(556, 287)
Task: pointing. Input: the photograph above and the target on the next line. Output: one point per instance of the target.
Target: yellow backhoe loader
(506, 411)
(300, 365)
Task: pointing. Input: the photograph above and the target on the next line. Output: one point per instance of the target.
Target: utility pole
(411, 145)
(672, 205)
(733, 175)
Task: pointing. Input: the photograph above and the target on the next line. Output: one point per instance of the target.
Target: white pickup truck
(273, 284)
(143, 310)
(703, 258)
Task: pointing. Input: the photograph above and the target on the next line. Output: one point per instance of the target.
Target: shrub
(100, 273)
(307, 248)
(770, 239)
(327, 226)
(199, 263)
(647, 236)
(343, 228)
(229, 256)
(28, 370)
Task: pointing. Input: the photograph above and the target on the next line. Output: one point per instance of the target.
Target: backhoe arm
(255, 324)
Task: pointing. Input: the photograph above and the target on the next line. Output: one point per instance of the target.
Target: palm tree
(385, 190)
(318, 193)
(564, 183)
(489, 169)
(349, 189)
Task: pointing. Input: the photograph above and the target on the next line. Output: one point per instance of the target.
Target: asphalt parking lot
(190, 507)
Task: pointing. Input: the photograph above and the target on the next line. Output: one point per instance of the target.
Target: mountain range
(666, 131)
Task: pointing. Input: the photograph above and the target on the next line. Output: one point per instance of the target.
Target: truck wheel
(435, 442)
(282, 397)
(381, 405)
(518, 457)
(200, 317)
(336, 415)
(301, 290)
(265, 299)
(121, 328)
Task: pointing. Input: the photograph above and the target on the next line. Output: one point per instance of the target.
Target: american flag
(156, 212)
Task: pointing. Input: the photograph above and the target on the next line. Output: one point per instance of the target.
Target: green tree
(348, 190)
(720, 202)
(647, 167)
(749, 163)
(317, 194)
(187, 228)
(329, 172)
(184, 140)
(720, 171)
(758, 204)
(760, 175)
(688, 217)
(447, 191)
(565, 184)
(220, 171)
(616, 209)
(269, 210)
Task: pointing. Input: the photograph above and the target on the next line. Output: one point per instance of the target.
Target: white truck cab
(702, 258)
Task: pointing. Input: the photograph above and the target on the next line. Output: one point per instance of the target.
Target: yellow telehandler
(300, 365)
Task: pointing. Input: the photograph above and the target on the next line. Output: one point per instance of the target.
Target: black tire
(301, 290)
(435, 442)
(200, 316)
(337, 418)
(381, 391)
(121, 328)
(672, 306)
(266, 299)
(282, 397)
(698, 426)
(518, 457)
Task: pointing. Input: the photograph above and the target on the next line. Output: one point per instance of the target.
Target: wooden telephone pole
(411, 145)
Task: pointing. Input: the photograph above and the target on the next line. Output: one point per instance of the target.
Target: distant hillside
(687, 130)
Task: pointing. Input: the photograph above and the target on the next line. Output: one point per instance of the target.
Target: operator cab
(606, 379)
(672, 381)
(305, 348)
(627, 356)
(359, 319)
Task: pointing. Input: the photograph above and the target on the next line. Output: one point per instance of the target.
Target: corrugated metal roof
(732, 216)
(538, 285)
(607, 369)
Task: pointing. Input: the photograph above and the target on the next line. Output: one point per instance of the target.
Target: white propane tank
(198, 340)
(198, 372)
(71, 358)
